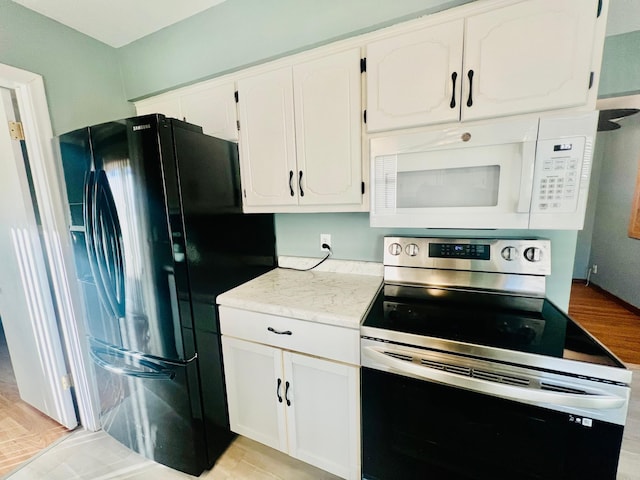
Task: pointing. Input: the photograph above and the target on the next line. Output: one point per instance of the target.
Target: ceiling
(119, 22)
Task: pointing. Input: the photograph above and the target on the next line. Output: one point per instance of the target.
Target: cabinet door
(214, 109)
(414, 78)
(328, 127)
(255, 391)
(526, 57)
(323, 413)
(267, 139)
(170, 107)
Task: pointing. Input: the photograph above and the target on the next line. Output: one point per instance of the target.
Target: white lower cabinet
(305, 406)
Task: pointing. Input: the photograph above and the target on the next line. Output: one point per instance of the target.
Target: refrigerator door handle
(121, 351)
(144, 369)
(107, 238)
(134, 364)
(90, 241)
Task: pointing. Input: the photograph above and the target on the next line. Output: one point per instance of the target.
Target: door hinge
(362, 188)
(363, 65)
(238, 124)
(67, 381)
(244, 190)
(599, 9)
(591, 77)
(236, 96)
(15, 131)
(364, 116)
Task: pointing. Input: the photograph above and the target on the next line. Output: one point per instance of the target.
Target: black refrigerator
(158, 232)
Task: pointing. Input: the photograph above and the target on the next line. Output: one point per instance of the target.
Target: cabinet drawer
(327, 341)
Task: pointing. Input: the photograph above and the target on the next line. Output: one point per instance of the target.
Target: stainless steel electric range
(469, 372)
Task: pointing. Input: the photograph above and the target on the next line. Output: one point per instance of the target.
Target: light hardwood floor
(24, 431)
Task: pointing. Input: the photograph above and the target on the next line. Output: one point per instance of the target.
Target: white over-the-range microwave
(525, 173)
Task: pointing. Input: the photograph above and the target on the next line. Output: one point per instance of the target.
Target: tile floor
(84, 455)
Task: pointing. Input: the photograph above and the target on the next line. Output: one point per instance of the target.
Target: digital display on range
(456, 250)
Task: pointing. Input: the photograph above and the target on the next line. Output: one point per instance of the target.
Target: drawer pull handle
(286, 393)
(277, 332)
(278, 390)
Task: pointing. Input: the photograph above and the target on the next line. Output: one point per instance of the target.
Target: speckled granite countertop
(339, 293)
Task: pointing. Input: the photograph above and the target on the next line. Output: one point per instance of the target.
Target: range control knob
(509, 253)
(395, 249)
(533, 254)
(412, 249)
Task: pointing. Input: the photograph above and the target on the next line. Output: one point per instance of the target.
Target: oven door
(474, 176)
(414, 428)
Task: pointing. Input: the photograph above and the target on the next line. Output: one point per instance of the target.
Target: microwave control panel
(557, 177)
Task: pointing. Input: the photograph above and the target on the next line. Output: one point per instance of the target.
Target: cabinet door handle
(279, 332)
(291, 183)
(470, 99)
(286, 393)
(278, 390)
(300, 184)
(454, 77)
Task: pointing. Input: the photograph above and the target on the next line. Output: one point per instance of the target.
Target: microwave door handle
(527, 176)
(509, 392)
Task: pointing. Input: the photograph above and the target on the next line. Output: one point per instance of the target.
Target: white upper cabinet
(169, 106)
(213, 108)
(414, 78)
(531, 56)
(210, 105)
(524, 57)
(328, 127)
(267, 139)
(300, 136)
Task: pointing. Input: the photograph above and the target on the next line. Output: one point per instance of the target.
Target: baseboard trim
(610, 296)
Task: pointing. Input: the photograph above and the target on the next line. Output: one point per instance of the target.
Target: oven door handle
(509, 392)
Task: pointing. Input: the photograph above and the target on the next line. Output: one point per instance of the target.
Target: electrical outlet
(325, 238)
(594, 269)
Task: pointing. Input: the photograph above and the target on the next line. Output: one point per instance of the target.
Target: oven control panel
(499, 255)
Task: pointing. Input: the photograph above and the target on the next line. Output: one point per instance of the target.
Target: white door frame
(49, 187)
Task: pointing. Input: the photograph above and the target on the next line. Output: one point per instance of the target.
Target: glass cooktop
(523, 324)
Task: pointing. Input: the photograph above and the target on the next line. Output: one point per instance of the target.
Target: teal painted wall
(239, 33)
(620, 76)
(617, 255)
(620, 73)
(353, 239)
(81, 75)
(583, 245)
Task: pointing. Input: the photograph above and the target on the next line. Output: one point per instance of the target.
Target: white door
(328, 124)
(414, 78)
(323, 414)
(528, 57)
(255, 391)
(267, 139)
(26, 303)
